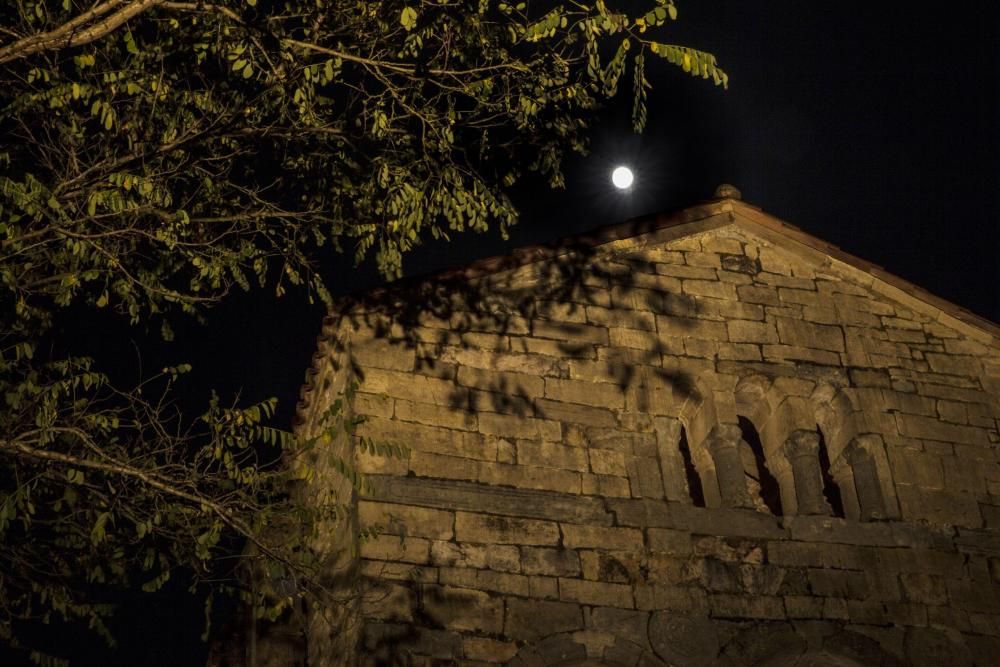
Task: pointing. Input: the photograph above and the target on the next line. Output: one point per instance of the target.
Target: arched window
(831, 491)
(695, 489)
(761, 483)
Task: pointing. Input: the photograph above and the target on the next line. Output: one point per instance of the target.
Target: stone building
(705, 438)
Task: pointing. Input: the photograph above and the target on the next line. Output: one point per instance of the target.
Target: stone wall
(707, 444)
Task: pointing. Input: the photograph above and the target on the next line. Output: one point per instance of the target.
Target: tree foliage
(157, 154)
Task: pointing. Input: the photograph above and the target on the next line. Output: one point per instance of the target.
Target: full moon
(622, 178)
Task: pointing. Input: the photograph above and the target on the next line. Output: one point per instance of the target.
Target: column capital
(858, 450)
(802, 442)
(724, 435)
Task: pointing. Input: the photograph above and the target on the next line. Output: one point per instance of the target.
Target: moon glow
(622, 178)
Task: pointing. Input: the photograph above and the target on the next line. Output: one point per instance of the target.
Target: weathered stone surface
(475, 497)
(386, 354)
(426, 438)
(485, 580)
(824, 529)
(839, 583)
(807, 334)
(606, 486)
(683, 641)
(498, 381)
(725, 605)
(434, 415)
(530, 477)
(488, 650)
(939, 506)
(607, 462)
(796, 353)
(575, 537)
(411, 386)
(568, 331)
(923, 588)
(494, 557)
(744, 331)
(386, 640)
(935, 429)
(641, 513)
(530, 619)
(462, 609)
(398, 548)
(427, 464)
(494, 529)
(389, 602)
(574, 414)
(550, 562)
(408, 520)
(584, 393)
(738, 523)
(551, 455)
(596, 593)
(926, 647)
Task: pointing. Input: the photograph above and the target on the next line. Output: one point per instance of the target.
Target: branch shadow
(555, 302)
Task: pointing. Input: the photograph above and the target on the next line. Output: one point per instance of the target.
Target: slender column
(802, 451)
(866, 482)
(668, 436)
(724, 446)
(843, 476)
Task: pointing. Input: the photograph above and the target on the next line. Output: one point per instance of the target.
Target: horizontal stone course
(551, 455)
(493, 529)
(411, 386)
(500, 381)
(596, 593)
(531, 477)
(505, 501)
(494, 557)
(485, 580)
(806, 334)
(575, 537)
(407, 520)
(584, 393)
(568, 331)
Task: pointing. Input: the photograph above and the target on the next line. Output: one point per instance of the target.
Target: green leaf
(408, 18)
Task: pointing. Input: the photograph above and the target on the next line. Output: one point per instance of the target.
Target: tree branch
(85, 28)
(151, 480)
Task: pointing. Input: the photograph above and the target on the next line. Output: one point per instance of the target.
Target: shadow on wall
(552, 301)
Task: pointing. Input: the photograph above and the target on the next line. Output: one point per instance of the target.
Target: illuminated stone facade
(700, 439)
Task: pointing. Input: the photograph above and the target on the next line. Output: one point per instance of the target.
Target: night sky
(870, 125)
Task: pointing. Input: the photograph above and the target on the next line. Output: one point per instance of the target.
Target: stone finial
(727, 191)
